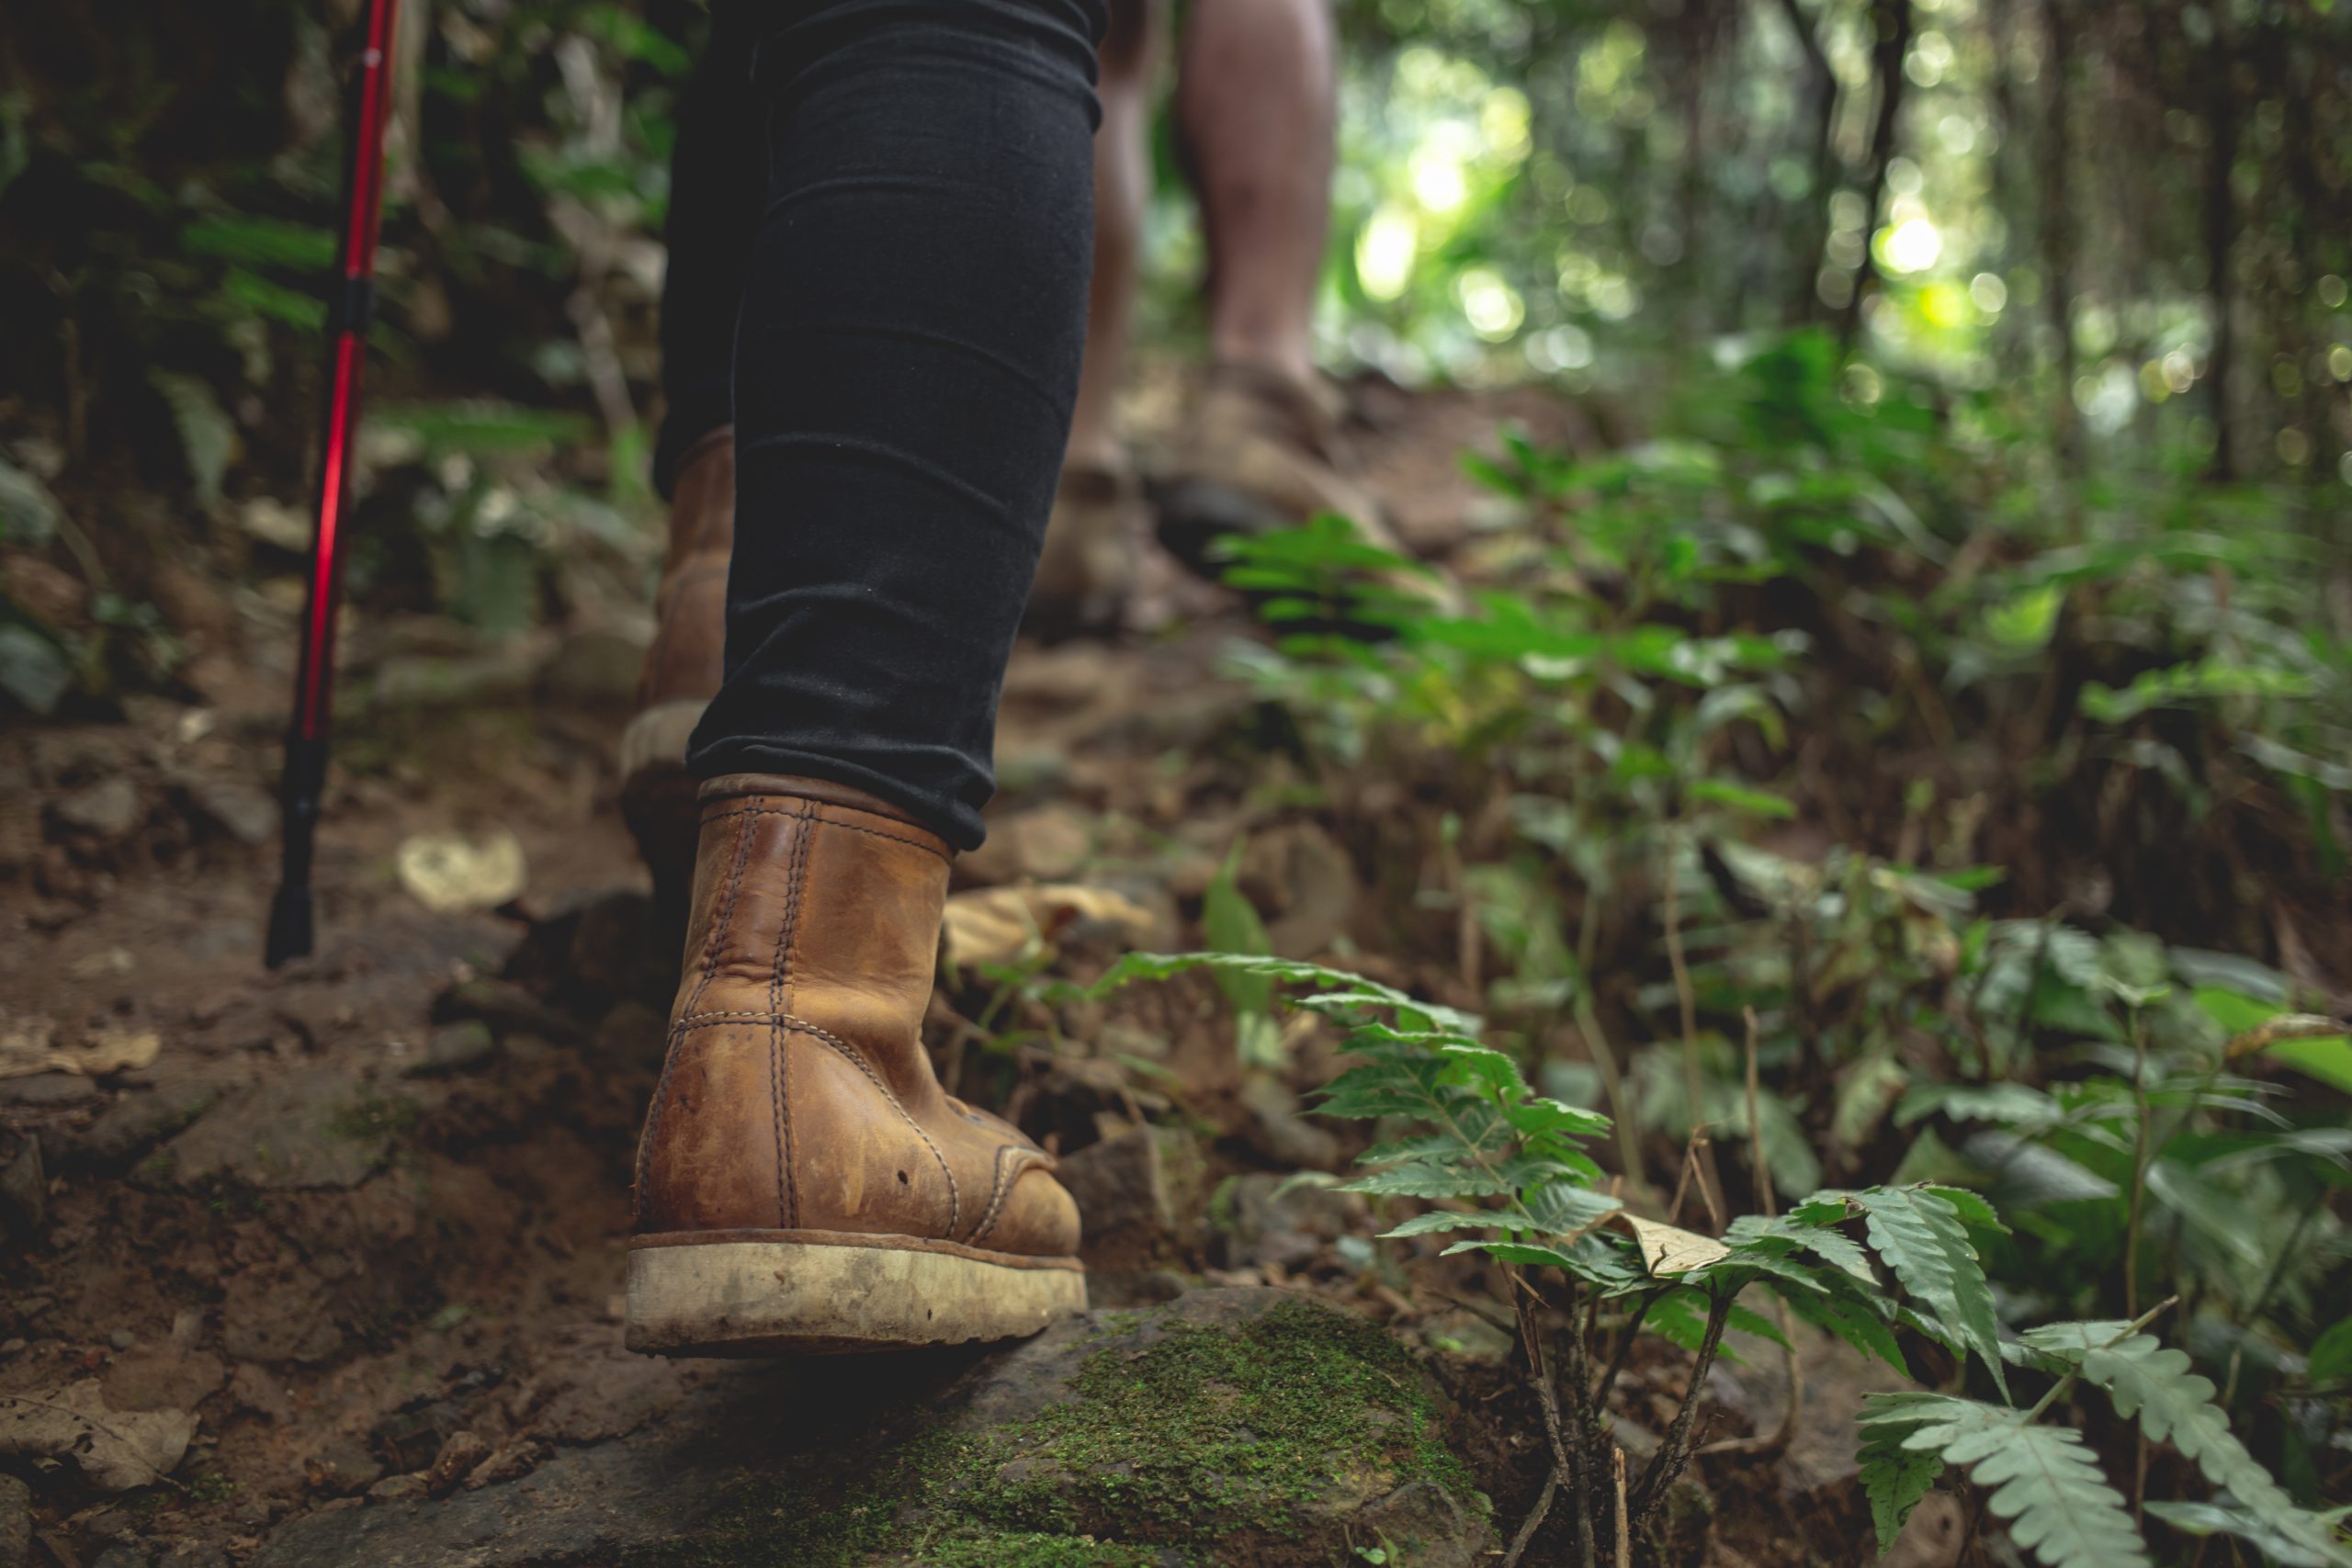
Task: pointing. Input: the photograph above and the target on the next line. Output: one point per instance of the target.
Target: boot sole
(828, 1293)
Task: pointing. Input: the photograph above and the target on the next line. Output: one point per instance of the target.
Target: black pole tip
(289, 926)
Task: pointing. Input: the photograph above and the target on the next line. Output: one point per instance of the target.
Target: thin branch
(1674, 1452)
(1624, 1530)
(1774, 1441)
(1523, 1298)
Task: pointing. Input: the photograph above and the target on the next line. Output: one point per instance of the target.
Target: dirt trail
(353, 1231)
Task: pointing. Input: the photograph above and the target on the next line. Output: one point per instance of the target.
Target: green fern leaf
(2174, 1405)
(2041, 1479)
(1919, 1233)
(1856, 1315)
(1893, 1478)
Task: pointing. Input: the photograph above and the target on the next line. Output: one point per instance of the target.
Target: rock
(413, 1439)
(309, 1129)
(1821, 1459)
(509, 1463)
(239, 807)
(42, 1089)
(16, 1523)
(507, 1008)
(1280, 1132)
(1137, 1190)
(455, 1048)
(342, 1465)
(1932, 1537)
(163, 1377)
(107, 810)
(457, 1460)
(116, 1449)
(396, 1488)
(1263, 1218)
(151, 1112)
(1229, 1426)
(121, 1556)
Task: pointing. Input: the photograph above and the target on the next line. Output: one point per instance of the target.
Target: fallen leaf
(996, 925)
(449, 874)
(1667, 1249)
(29, 1045)
(117, 1449)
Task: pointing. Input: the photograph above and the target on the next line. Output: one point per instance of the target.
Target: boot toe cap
(1040, 1218)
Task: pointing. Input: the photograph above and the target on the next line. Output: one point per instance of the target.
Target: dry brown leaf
(996, 925)
(1669, 1249)
(449, 874)
(117, 1449)
(29, 1045)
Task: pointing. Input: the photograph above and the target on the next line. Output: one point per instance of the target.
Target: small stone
(1132, 1188)
(503, 1464)
(413, 1439)
(1281, 1133)
(40, 1090)
(16, 1522)
(106, 810)
(456, 1460)
(342, 1464)
(122, 1340)
(121, 1557)
(187, 1327)
(455, 1048)
(161, 1376)
(1264, 1218)
(395, 1488)
(239, 807)
(11, 1347)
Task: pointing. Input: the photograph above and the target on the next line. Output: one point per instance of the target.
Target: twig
(1674, 1452)
(2139, 1164)
(1612, 1083)
(1687, 1000)
(1624, 1532)
(1619, 1353)
(1775, 1441)
(1563, 1466)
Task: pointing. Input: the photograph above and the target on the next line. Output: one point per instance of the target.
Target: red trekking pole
(348, 312)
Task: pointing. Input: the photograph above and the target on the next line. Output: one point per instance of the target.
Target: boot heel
(820, 1293)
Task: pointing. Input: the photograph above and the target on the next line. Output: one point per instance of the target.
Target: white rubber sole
(814, 1292)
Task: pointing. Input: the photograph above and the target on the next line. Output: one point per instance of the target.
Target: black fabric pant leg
(718, 171)
(906, 364)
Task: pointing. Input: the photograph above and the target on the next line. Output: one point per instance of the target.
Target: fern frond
(1893, 1477)
(2174, 1404)
(2041, 1479)
(1918, 1232)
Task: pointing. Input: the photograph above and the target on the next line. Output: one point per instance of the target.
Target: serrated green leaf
(1893, 1478)
(1917, 1230)
(2041, 1479)
(2174, 1404)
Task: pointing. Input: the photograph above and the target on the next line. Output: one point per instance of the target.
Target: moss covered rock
(1245, 1426)
(1230, 1427)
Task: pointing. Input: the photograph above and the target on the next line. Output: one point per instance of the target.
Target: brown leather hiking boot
(1260, 452)
(683, 666)
(803, 1183)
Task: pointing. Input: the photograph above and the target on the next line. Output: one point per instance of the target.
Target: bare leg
(1130, 56)
(1255, 105)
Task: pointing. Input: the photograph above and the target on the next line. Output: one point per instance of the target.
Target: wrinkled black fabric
(906, 352)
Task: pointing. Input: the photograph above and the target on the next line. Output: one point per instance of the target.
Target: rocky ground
(321, 1266)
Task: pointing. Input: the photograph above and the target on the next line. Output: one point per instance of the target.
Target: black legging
(906, 312)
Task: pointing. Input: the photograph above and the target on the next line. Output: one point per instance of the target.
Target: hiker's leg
(1255, 106)
(718, 182)
(905, 370)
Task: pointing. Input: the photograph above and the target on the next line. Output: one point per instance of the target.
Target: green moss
(373, 1117)
(1203, 1433)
